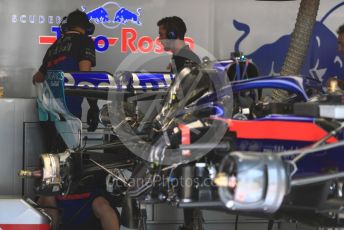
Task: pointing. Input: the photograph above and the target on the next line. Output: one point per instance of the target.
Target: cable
(321, 141)
(85, 142)
(236, 222)
(316, 179)
(244, 73)
(315, 147)
(109, 171)
(294, 168)
(237, 70)
(311, 149)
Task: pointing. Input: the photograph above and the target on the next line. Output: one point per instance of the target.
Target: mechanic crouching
(75, 52)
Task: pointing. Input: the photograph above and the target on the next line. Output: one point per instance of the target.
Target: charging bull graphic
(123, 16)
(322, 60)
(111, 15)
(98, 15)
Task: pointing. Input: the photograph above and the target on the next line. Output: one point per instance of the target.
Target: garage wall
(262, 31)
(210, 25)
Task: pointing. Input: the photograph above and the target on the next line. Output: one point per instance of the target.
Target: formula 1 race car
(211, 144)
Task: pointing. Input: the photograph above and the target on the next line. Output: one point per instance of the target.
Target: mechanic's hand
(93, 118)
(37, 78)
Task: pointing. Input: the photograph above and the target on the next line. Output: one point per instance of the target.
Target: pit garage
(159, 114)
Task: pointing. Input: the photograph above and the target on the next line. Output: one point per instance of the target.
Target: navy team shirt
(65, 54)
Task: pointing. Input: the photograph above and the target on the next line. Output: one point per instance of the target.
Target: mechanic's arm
(38, 77)
(85, 65)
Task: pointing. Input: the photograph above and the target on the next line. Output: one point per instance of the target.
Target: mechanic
(171, 35)
(75, 51)
(340, 38)
(339, 84)
(172, 32)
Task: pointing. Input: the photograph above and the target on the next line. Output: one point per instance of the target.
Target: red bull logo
(124, 15)
(111, 15)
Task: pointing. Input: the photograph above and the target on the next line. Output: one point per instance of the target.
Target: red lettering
(112, 41)
(128, 41)
(189, 41)
(145, 44)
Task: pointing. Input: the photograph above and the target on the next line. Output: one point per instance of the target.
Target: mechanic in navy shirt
(172, 32)
(73, 52)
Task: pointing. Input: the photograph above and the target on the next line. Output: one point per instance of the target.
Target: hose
(299, 44)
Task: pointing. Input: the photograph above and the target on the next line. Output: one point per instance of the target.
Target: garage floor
(170, 218)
